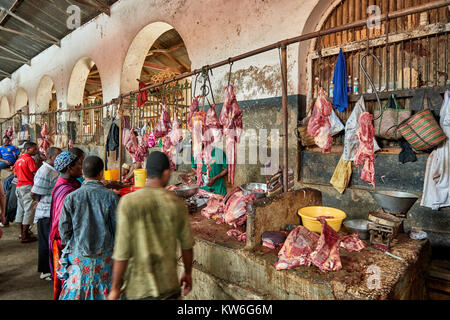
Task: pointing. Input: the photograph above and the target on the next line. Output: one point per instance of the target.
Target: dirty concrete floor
(19, 279)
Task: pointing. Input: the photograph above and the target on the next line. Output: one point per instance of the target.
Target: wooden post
(285, 115)
(120, 112)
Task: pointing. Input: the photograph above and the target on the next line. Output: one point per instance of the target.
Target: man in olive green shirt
(150, 223)
(219, 169)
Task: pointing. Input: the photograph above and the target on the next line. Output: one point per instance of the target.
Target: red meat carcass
(171, 141)
(46, 141)
(364, 154)
(231, 120)
(213, 133)
(297, 249)
(193, 108)
(235, 211)
(198, 120)
(319, 124)
(163, 126)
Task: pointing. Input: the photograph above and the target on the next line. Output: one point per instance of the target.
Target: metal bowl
(358, 226)
(394, 201)
(249, 187)
(186, 191)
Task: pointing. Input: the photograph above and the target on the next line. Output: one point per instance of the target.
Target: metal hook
(229, 73)
(370, 80)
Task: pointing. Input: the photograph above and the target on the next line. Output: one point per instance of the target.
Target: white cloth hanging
(436, 186)
(350, 141)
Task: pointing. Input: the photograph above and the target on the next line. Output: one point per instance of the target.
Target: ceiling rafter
(100, 6)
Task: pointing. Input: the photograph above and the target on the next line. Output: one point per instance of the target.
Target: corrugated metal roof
(50, 16)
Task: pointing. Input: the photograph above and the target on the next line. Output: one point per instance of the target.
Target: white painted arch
(44, 94)
(5, 111)
(137, 52)
(20, 101)
(77, 82)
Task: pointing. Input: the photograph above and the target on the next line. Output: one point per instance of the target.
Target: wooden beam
(96, 7)
(171, 57)
(29, 35)
(161, 67)
(171, 49)
(91, 81)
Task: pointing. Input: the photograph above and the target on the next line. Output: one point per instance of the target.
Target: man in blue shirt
(8, 153)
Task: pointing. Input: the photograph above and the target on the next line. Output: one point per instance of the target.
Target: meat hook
(370, 80)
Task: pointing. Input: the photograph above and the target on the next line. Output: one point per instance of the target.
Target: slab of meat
(131, 144)
(352, 243)
(47, 138)
(326, 255)
(235, 211)
(273, 239)
(213, 209)
(141, 152)
(198, 120)
(171, 188)
(241, 236)
(151, 140)
(231, 120)
(297, 249)
(213, 133)
(193, 108)
(319, 124)
(205, 194)
(303, 248)
(9, 133)
(171, 141)
(163, 126)
(365, 154)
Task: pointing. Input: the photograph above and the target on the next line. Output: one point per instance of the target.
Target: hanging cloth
(342, 174)
(112, 142)
(407, 154)
(142, 96)
(436, 187)
(350, 141)
(340, 94)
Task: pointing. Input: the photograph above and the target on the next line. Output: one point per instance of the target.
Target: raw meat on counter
(273, 239)
(213, 209)
(231, 120)
(241, 236)
(303, 248)
(365, 153)
(319, 124)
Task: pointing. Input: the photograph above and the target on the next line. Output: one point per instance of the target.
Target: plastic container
(140, 177)
(309, 215)
(112, 175)
(128, 190)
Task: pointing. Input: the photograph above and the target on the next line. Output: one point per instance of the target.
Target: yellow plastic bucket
(309, 215)
(112, 174)
(140, 176)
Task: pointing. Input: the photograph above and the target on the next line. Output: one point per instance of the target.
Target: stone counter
(225, 268)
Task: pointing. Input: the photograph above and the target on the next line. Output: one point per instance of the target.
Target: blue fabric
(63, 160)
(85, 278)
(9, 153)
(88, 219)
(4, 165)
(80, 179)
(340, 94)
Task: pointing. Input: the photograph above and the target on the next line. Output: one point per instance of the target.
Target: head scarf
(63, 160)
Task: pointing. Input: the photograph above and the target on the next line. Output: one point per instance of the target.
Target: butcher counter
(225, 268)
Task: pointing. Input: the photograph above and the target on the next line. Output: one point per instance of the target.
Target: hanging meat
(193, 108)
(319, 124)
(365, 154)
(151, 141)
(171, 141)
(163, 126)
(213, 133)
(231, 120)
(47, 139)
(198, 127)
(9, 133)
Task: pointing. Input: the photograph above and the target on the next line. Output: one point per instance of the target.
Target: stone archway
(5, 111)
(21, 100)
(45, 95)
(82, 84)
(137, 53)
